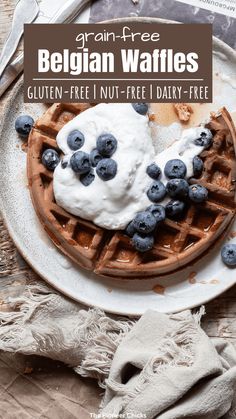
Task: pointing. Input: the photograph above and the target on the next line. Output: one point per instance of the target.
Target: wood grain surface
(220, 318)
(51, 390)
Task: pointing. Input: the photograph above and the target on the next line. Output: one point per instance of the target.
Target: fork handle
(12, 71)
(65, 14)
(25, 12)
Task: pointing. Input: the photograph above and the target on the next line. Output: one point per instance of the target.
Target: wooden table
(51, 389)
(221, 313)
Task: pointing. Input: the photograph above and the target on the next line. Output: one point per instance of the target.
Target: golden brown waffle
(110, 253)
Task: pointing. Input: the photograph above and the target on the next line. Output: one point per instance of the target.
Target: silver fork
(25, 12)
(65, 14)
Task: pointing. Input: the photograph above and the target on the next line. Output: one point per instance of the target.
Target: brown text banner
(118, 63)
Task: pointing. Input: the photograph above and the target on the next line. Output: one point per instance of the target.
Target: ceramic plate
(191, 287)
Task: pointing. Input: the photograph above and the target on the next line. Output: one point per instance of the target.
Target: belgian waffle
(110, 253)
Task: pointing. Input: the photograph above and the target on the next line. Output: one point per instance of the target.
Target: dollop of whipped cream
(113, 204)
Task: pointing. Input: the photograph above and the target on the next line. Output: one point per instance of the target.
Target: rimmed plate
(191, 287)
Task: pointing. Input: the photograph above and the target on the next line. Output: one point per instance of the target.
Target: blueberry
(50, 159)
(142, 243)
(130, 229)
(157, 191)
(175, 169)
(174, 208)
(141, 108)
(95, 157)
(23, 125)
(198, 193)
(75, 140)
(106, 145)
(228, 254)
(80, 162)
(158, 211)
(197, 166)
(106, 169)
(154, 171)
(204, 139)
(177, 188)
(87, 178)
(144, 222)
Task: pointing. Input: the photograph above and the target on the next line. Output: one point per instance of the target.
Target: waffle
(110, 253)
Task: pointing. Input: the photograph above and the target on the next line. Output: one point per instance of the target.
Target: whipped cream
(114, 203)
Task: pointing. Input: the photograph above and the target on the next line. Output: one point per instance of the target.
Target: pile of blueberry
(143, 227)
(84, 164)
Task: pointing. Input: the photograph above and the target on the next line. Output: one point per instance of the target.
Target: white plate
(191, 287)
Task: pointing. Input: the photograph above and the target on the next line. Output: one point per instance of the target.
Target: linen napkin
(161, 366)
(166, 367)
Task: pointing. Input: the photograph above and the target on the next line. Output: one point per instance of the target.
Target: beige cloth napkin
(162, 366)
(167, 368)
